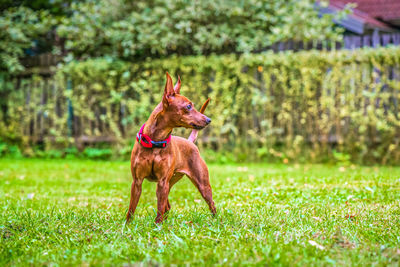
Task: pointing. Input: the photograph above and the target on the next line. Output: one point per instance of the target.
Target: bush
(289, 106)
(19, 27)
(139, 29)
(97, 153)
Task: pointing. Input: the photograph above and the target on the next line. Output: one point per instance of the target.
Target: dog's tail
(193, 134)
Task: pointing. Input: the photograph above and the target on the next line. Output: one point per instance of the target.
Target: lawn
(72, 212)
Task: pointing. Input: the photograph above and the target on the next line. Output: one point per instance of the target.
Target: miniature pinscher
(168, 159)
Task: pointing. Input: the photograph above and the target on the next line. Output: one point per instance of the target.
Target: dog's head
(181, 110)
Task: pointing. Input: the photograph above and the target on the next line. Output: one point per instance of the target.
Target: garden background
(302, 148)
(316, 105)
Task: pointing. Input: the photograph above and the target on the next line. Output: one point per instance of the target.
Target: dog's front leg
(162, 199)
(136, 190)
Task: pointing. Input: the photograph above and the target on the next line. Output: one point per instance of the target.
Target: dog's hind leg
(173, 181)
(199, 176)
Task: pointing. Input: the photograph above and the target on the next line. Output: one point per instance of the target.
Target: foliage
(18, 29)
(9, 150)
(54, 7)
(289, 106)
(64, 212)
(97, 153)
(124, 29)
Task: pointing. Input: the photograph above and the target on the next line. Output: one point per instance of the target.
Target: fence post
(70, 109)
(376, 39)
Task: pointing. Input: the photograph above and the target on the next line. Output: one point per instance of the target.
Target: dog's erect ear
(177, 87)
(168, 91)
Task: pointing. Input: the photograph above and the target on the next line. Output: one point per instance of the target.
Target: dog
(167, 160)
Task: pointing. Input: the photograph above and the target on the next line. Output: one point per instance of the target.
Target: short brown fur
(180, 157)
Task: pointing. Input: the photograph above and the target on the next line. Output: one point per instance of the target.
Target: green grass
(72, 212)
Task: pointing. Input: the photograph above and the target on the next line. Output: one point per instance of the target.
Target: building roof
(358, 22)
(385, 10)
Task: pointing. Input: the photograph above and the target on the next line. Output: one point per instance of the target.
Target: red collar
(146, 141)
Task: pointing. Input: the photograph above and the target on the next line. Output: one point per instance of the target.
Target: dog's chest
(151, 166)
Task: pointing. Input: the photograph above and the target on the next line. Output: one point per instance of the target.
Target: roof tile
(380, 9)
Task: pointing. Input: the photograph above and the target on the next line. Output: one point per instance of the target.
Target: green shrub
(139, 29)
(288, 106)
(97, 153)
(9, 150)
(19, 27)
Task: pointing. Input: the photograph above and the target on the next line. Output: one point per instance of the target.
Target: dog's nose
(208, 120)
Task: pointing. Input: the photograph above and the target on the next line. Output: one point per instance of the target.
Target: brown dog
(166, 161)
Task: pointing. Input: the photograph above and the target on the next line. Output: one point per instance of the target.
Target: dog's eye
(189, 107)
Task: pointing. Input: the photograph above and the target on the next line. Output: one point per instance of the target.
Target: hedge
(311, 105)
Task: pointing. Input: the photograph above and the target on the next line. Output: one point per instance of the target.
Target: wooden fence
(52, 109)
(349, 42)
(374, 40)
(44, 108)
(41, 64)
(48, 111)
